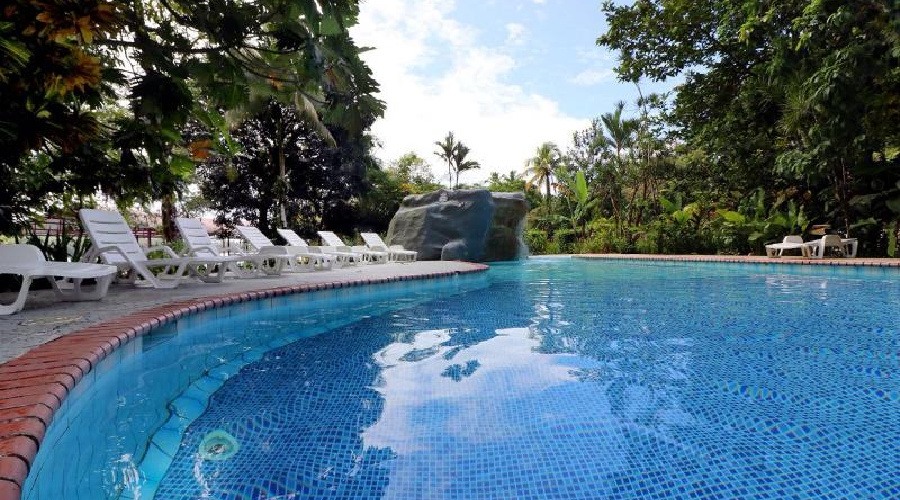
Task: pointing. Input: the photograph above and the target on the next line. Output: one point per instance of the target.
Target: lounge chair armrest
(377, 248)
(164, 249)
(95, 252)
(201, 249)
(268, 250)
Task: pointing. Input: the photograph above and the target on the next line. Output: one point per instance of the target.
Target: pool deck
(50, 346)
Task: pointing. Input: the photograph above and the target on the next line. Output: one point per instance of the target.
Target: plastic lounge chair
(341, 259)
(789, 243)
(396, 253)
(301, 259)
(112, 242)
(817, 249)
(334, 241)
(198, 243)
(28, 262)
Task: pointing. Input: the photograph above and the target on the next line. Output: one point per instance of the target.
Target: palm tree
(460, 163)
(621, 137)
(621, 132)
(446, 152)
(542, 168)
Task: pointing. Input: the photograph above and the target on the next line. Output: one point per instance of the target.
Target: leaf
(181, 166)
(893, 205)
(892, 239)
(581, 190)
(864, 223)
(330, 26)
(732, 216)
(667, 205)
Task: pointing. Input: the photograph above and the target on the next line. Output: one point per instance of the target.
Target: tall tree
(413, 173)
(446, 151)
(540, 169)
(461, 163)
(322, 180)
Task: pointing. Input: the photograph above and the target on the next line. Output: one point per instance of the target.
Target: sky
(503, 75)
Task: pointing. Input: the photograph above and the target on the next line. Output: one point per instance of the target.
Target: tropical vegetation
(127, 99)
(787, 122)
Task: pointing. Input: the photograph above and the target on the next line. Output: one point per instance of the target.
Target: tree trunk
(168, 217)
(840, 186)
(547, 180)
(264, 218)
(282, 175)
(643, 197)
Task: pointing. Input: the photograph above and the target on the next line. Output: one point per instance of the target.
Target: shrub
(536, 241)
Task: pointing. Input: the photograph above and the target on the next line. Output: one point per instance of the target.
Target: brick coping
(34, 385)
(746, 259)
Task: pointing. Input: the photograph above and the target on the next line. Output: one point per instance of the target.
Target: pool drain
(218, 445)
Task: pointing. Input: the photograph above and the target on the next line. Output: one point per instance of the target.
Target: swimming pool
(548, 379)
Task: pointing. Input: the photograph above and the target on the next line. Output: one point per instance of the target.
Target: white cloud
(435, 77)
(590, 77)
(515, 33)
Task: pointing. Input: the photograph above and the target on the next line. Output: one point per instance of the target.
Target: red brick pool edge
(34, 385)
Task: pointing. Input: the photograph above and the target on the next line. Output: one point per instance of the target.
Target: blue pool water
(549, 379)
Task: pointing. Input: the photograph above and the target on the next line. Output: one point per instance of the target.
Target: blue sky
(504, 75)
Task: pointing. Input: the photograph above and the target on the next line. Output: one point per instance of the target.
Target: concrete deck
(44, 318)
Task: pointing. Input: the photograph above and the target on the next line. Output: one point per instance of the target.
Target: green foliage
(321, 185)
(798, 96)
(414, 174)
(540, 169)
(455, 154)
(67, 68)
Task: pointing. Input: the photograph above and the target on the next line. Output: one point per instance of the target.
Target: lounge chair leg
(77, 291)
(207, 275)
(19, 303)
(160, 280)
(271, 269)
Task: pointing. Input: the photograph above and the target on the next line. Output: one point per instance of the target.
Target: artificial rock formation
(471, 225)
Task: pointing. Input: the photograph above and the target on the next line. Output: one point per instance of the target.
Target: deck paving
(44, 318)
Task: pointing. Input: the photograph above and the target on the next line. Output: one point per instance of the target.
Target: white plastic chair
(113, 242)
(334, 241)
(788, 243)
(395, 253)
(817, 249)
(28, 262)
(300, 259)
(198, 243)
(341, 259)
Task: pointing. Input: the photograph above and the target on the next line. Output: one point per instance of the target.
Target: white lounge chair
(334, 241)
(788, 243)
(341, 258)
(28, 262)
(816, 249)
(301, 259)
(198, 243)
(113, 242)
(396, 253)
